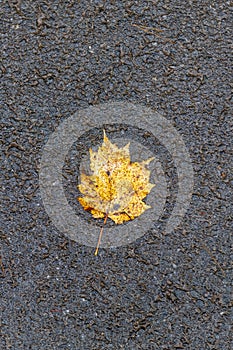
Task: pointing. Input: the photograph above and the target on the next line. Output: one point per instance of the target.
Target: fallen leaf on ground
(117, 186)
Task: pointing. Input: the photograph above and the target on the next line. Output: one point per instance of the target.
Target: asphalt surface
(162, 291)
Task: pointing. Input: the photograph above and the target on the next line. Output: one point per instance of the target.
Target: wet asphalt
(163, 291)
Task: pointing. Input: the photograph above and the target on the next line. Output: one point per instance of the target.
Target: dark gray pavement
(161, 292)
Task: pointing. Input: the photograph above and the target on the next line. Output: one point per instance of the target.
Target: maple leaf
(117, 186)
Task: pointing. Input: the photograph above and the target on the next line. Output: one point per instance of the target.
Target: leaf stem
(100, 235)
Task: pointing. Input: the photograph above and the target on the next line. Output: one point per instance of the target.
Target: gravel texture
(161, 292)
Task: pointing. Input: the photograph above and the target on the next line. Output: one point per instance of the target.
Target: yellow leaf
(117, 186)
